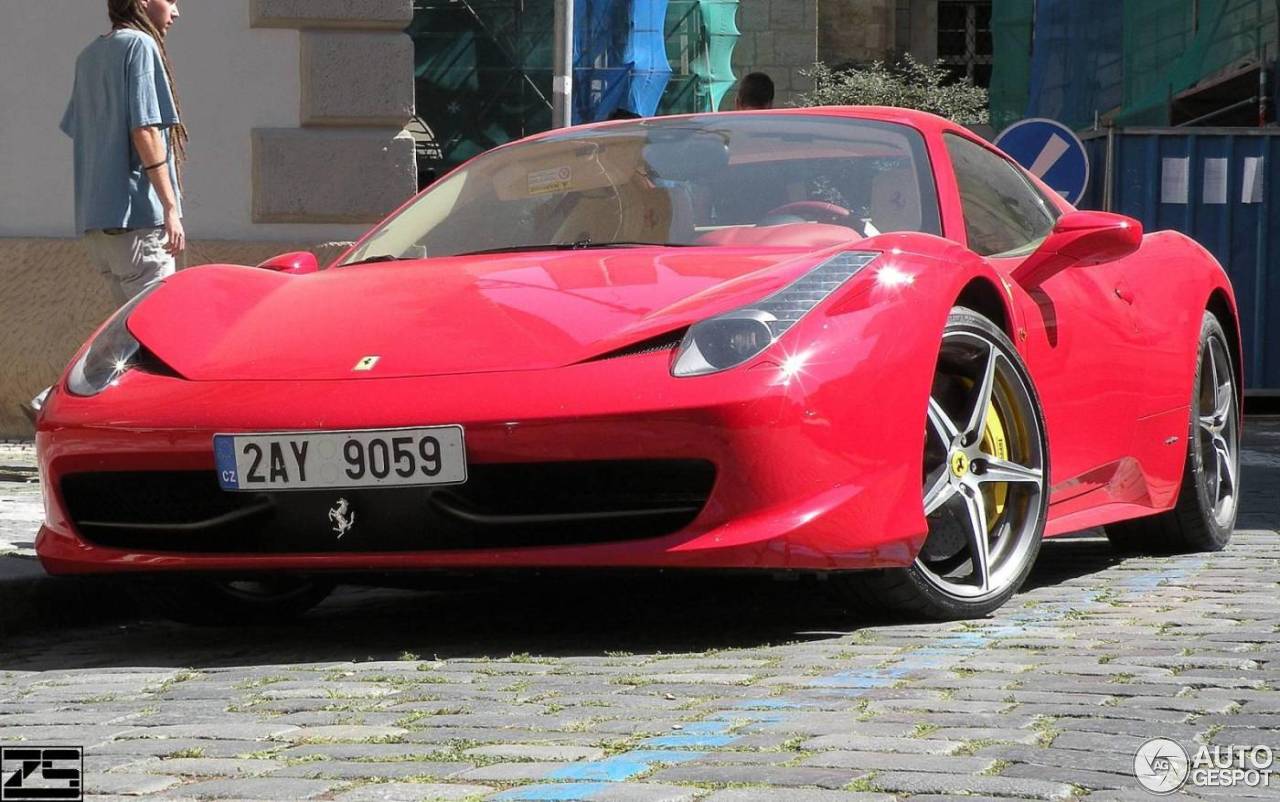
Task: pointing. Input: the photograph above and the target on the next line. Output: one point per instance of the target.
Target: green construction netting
(1168, 46)
(715, 63)
(484, 69)
(483, 74)
(1167, 50)
(1011, 24)
(701, 35)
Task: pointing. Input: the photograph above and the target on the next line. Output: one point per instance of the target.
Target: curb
(31, 600)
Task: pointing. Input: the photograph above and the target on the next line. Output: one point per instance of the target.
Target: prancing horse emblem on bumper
(366, 363)
(343, 517)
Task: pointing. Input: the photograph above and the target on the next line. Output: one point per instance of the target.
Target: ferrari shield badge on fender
(343, 517)
(366, 363)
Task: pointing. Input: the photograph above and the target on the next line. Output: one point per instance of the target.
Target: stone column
(779, 37)
(351, 161)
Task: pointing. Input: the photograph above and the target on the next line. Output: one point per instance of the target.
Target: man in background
(128, 138)
(755, 92)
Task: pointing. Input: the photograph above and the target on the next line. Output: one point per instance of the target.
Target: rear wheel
(1205, 512)
(220, 602)
(985, 466)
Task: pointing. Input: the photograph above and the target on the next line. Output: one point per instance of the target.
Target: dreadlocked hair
(130, 14)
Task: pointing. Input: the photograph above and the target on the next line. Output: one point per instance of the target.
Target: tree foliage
(908, 84)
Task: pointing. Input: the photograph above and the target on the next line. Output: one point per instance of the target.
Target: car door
(1079, 334)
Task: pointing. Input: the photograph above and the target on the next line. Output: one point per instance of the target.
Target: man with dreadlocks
(129, 140)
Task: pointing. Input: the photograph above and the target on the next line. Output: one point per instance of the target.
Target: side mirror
(1081, 238)
(295, 262)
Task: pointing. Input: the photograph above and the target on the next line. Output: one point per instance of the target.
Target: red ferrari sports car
(855, 342)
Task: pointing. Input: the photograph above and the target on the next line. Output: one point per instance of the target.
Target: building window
(964, 39)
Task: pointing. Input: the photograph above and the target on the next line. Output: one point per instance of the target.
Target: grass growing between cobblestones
(585, 725)
(180, 677)
(971, 748)
(996, 768)
(711, 787)
(432, 678)
(260, 682)
(863, 785)
(410, 720)
(261, 754)
(1046, 732)
(255, 704)
(364, 782)
(302, 760)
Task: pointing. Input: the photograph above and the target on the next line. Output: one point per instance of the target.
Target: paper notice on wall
(1215, 182)
(1173, 180)
(1251, 189)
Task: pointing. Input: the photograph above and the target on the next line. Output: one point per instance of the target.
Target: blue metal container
(1214, 185)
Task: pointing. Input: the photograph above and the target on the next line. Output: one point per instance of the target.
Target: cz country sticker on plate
(434, 455)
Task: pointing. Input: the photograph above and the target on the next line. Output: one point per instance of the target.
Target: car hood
(453, 315)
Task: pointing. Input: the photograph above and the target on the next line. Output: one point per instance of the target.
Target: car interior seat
(895, 201)
(635, 211)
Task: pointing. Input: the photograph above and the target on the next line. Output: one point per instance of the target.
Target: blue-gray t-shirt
(121, 85)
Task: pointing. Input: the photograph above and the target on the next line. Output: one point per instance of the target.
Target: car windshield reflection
(709, 180)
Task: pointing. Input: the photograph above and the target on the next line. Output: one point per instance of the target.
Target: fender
(887, 323)
(1170, 305)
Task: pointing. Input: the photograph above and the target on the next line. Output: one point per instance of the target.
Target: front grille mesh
(500, 506)
(663, 342)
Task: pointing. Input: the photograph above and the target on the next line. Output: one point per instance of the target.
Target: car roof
(920, 120)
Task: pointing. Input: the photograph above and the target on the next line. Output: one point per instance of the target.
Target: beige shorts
(129, 260)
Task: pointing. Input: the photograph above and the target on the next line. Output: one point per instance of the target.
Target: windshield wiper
(580, 245)
(384, 257)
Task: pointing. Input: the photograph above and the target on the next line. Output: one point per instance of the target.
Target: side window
(1004, 215)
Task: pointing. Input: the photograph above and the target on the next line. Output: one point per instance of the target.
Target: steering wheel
(814, 211)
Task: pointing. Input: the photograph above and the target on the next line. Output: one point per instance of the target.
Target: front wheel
(983, 489)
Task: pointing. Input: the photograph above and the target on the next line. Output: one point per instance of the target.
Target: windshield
(702, 180)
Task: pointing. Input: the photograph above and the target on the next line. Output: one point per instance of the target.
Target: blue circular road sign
(1052, 152)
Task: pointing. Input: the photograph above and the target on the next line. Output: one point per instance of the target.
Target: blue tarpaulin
(620, 59)
(1077, 67)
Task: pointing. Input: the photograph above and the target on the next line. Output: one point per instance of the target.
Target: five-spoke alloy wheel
(984, 480)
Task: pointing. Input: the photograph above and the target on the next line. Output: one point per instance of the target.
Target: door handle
(1124, 293)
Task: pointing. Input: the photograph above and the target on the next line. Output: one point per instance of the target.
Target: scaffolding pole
(562, 87)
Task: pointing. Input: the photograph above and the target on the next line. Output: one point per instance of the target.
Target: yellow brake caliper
(995, 444)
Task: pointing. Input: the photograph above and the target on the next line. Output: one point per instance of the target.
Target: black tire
(227, 602)
(1204, 515)
(967, 393)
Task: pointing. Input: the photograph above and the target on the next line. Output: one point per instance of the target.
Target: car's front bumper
(809, 473)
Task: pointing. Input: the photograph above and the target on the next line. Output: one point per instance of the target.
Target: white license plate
(317, 460)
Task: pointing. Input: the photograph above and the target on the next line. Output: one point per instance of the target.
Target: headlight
(727, 340)
(109, 354)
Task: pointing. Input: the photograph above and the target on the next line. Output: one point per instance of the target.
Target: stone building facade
(296, 108)
(785, 37)
(861, 31)
(779, 37)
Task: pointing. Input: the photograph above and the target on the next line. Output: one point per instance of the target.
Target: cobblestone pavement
(724, 689)
(20, 506)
